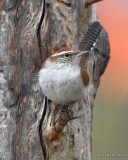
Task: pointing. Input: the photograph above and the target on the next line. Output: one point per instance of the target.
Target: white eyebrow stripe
(63, 52)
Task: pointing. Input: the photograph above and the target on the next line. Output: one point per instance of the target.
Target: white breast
(62, 86)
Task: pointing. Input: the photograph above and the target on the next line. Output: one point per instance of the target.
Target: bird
(63, 77)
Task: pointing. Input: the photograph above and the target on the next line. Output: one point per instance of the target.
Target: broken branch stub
(90, 2)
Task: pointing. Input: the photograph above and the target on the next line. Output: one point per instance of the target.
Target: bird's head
(65, 57)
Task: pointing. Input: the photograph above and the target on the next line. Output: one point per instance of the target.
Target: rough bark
(31, 126)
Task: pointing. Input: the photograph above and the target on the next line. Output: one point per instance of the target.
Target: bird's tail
(90, 37)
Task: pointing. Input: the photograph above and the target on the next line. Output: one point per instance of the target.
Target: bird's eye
(67, 55)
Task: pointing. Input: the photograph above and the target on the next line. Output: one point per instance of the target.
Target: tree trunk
(31, 126)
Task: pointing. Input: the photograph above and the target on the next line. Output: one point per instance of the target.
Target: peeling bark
(31, 126)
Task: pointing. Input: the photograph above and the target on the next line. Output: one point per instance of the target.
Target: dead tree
(31, 126)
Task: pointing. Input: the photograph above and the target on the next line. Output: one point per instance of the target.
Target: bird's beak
(83, 53)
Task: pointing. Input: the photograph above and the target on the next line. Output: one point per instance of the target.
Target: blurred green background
(110, 122)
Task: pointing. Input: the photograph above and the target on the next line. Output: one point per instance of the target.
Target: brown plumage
(84, 73)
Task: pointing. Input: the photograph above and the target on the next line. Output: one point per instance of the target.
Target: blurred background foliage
(110, 121)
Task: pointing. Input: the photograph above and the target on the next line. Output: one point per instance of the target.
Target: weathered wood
(31, 126)
(7, 96)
